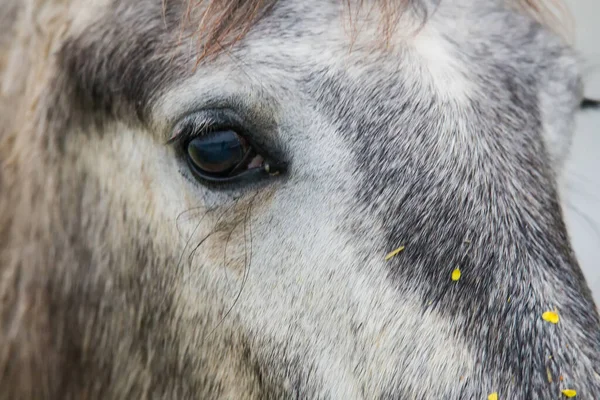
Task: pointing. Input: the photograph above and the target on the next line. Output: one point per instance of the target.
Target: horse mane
(222, 23)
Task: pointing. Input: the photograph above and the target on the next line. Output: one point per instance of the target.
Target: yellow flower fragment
(493, 396)
(551, 316)
(569, 393)
(456, 274)
(393, 253)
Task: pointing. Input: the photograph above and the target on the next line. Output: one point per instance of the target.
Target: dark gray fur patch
(122, 61)
(498, 192)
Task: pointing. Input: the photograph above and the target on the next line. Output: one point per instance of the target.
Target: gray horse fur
(122, 276)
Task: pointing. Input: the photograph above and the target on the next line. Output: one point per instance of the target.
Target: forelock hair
(222, 23)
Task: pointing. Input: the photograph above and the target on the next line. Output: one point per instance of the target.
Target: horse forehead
(131, 52)
(134, 52)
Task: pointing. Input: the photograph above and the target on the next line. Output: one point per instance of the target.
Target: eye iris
(218, 152)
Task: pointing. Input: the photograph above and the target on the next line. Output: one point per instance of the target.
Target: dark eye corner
(220, 150)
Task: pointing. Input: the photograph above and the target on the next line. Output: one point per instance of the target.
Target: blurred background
(581, 194)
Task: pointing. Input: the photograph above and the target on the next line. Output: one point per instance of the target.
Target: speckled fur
(123, 277)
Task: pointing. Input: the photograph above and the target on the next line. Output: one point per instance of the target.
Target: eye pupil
(217, 152)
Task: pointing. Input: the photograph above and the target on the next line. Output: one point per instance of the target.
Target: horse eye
(224, 156)
(217, 153)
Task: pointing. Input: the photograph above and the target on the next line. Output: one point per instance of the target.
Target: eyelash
(191, 127)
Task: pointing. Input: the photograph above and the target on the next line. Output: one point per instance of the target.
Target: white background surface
(581, 199)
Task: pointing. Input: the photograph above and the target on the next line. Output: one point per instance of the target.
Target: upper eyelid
(203, 120)
(201, 123)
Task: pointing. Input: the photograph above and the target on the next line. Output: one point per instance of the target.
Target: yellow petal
(456, 274)
(550, 316)
(493, 396)
(393, 253)
(569, 393)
